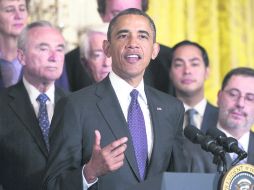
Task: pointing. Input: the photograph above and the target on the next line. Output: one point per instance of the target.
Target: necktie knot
(42, 98)
(134, 94)
(190, 116)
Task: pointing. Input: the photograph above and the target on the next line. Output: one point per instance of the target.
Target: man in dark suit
(156, 74)
(236, 116)
(106, 107)
(24, 150)
(188, 71)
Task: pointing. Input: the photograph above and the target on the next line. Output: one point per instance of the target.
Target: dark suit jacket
(23, 153)
(97, 107)
(199, 160)
(210, 118)
(156, 74)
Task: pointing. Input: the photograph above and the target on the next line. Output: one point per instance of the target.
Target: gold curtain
(224, 27)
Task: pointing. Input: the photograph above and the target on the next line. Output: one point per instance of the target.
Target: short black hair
(190, 43)
(102, 6)
(131, 11)
(240, 71)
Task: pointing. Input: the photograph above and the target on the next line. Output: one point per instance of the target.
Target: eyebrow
(122, 31)
(192, 59)
(46, 44)
(144, 32)
(127, 31)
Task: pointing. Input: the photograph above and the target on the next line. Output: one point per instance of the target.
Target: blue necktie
(137, 130)
(43, 118)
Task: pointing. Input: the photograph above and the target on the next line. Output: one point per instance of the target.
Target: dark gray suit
(97, 107)
(23, 154)
(210, 117)
(201, 161)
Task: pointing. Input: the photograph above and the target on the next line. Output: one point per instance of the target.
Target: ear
(156, 49)
(207, 72)
(106, 48)
(219, 97)
(21, 57)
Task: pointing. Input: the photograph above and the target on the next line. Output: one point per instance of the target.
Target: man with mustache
(236, 116)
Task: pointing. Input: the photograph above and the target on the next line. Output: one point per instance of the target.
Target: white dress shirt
(122, 90)
(34, 93)
(243, 142)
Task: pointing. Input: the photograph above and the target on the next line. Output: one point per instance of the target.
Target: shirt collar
(34, 92)
(123, 89)
(200, 107)
(243, 141)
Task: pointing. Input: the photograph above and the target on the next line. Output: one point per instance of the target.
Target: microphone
(207, 143)
(229, 144)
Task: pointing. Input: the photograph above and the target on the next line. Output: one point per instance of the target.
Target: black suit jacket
(202, 161)
(156, 74)
(210, 118)
(23, 154)
(97, 107)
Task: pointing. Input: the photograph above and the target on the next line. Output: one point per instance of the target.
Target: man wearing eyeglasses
(236, 117)
(236, 109)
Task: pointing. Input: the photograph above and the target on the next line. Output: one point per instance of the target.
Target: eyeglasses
(235, 95)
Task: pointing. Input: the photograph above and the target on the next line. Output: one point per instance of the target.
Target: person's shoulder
(211, 107)
(7, 94)
(165, 49)
(162, 96)
(74, 52)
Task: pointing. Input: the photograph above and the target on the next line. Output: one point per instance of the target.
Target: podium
(180, 181)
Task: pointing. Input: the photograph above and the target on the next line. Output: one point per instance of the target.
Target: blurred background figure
(188, 72)
(236, 116)
(92, 56)
(13, 18)
(29, 109)
(156, 74)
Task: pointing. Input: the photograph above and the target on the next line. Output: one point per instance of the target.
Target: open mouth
(132, 58)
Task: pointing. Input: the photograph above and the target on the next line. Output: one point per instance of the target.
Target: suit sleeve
(64, 169)
(177, 161)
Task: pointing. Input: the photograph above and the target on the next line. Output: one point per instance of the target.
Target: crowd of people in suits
(111, 113)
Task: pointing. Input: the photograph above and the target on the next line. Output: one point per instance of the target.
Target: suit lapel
(115, 119)
(210, 117)
(250, 159)
(155, 110)
(23, 108)
(58, 110)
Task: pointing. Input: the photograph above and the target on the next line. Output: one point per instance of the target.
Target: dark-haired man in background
(236, 116)
(188, 71)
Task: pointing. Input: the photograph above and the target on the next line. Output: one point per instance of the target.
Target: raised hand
(104, 160)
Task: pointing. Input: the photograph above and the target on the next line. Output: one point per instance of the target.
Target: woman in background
(13, 18)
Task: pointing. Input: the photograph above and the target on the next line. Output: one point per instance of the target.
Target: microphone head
(217, 134)
(193, 134)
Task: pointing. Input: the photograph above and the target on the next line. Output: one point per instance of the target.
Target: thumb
(97, 141)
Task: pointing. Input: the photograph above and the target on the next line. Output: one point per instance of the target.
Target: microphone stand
(220, 161)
